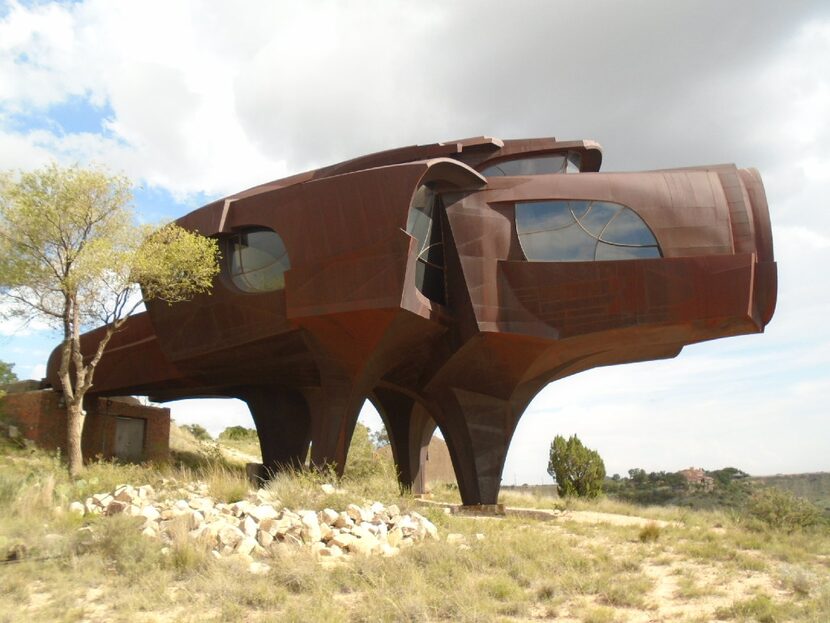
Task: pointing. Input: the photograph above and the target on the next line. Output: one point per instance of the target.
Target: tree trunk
(74, 429)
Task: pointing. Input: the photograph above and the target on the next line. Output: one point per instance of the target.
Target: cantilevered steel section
(448, 284)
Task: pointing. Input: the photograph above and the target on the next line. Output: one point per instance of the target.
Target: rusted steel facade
(448, 284)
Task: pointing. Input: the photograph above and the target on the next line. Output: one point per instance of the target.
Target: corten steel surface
(351, 323)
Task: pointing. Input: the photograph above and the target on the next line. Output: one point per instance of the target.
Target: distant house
(696, 477)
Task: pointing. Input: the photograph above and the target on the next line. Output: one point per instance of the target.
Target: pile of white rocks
(260, 526)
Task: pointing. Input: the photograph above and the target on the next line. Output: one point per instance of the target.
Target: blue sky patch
(75, 115)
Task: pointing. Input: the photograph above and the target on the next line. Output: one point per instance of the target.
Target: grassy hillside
(595, 562)
(813, 487)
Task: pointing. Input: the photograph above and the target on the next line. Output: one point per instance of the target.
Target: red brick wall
(41, 419)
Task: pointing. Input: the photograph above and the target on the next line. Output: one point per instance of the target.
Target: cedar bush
(578, 471)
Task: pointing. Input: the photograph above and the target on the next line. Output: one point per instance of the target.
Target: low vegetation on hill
(585, 561)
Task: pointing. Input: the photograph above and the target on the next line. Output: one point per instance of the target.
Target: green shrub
(239, 433)
(781, 510)
(198, 431)
(578, 471)
(363, 462)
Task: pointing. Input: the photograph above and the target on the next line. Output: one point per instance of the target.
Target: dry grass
(702, 566)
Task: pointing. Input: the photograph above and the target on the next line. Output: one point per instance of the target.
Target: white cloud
(213, 98)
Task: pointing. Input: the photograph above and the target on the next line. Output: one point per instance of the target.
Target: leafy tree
(380, 438)
(726, 475)
(363, 462)
(782, 510)
(198, 431)
(239, 433)
(6, 373)
(71, 254)
(577, 470)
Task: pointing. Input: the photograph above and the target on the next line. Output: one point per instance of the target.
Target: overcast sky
(196, 100)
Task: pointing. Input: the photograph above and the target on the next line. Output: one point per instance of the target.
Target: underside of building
(448, 284)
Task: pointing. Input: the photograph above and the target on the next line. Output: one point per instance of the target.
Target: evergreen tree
(577, 470)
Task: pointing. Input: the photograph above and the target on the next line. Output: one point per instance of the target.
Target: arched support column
(410, 429)
(283, 425)
(478, 429)
(334, 408)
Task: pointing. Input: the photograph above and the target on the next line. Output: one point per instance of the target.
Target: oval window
(257, 260)
(580, 231)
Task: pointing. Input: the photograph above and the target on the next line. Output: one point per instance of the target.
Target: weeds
(523, 569)
(760, 608)
(649, 533)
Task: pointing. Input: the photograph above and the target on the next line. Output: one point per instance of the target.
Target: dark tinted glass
(257, 261)
(425, 228)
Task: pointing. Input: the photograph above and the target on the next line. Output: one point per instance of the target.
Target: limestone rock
(342, 540)
(264, 538)
(116, 507)
(354, 512)
(328, 516)
(311, 527)
(249, 526)
(258, 568)
(332, 551)
(364, 545)
(264, 511)
(230, 536)
(246, 546)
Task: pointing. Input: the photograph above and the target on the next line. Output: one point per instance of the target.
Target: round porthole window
(257, 260)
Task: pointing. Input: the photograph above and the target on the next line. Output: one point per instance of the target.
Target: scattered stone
(258, 568)
(311, 528)
(264, 538)
(249, 526)
(328, 516)
(116, 507)
(246, 546)
(262, 512)
(230, 536)
(355, 513)
(332, 551)
(259, 526)
(342, 540)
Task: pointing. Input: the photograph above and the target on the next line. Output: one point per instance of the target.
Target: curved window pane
(538, 165)
(579, 231)
(627, 228)
(419, 219)
(571, 244)
(257, 260)
(421, 225)
(597, 216)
